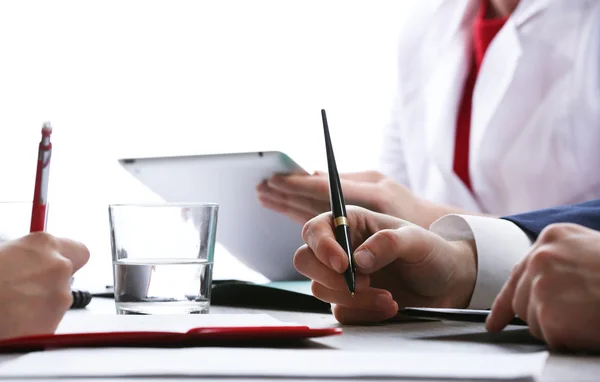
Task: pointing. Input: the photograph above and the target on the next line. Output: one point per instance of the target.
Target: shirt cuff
(500, 245)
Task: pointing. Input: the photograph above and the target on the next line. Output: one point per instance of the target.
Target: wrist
(425, 212)
(466, 273)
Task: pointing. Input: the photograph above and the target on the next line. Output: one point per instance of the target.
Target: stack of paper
(272, 363)
(73, 324)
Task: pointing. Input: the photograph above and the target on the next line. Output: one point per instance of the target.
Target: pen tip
(352, 294)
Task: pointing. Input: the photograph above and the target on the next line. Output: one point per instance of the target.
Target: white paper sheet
(159, 323)
(234, 362)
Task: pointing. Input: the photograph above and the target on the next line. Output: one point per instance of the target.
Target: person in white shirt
(497, 113)
(35, 282)
(465, 262)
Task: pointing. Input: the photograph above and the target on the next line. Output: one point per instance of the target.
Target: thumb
(409, 244)
(74, 251)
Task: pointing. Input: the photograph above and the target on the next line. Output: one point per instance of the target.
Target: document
(272, 363)
(74, 324)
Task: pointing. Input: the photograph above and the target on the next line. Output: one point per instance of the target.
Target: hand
(556, 289)
(398, 264)
(35, 277)
(302, 197)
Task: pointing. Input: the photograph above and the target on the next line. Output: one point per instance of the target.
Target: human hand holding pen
(36, 272)
(398, 264)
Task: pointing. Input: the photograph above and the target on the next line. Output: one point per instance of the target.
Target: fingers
(308, 265)
(409, 244)
(316, 187)
(552, 289)
(309, 186)
(293, 203)
(297, 216)
(521, 296)
(566, 311)
(75, 252)
(318, 234)
(538, 262)
(370, 299)
(515, 296)
(364, 176)
(533, 313)
(351, 316)
(502, 308)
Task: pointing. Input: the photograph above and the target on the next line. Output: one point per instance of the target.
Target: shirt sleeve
(392, 162)
(500, 245)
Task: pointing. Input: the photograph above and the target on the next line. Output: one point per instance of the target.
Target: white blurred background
(122, 78)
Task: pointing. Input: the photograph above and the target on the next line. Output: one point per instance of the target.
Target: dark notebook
(281, 295)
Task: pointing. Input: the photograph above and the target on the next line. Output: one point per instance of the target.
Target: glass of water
(163, 257)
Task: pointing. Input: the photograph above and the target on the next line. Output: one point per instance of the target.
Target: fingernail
(336, 263)
(364, 258)
(383, 301)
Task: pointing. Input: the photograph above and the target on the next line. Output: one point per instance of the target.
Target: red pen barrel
(38, 210)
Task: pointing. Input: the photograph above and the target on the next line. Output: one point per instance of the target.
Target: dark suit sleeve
(586, 214)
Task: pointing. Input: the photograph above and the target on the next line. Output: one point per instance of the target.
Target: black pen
(338, 208)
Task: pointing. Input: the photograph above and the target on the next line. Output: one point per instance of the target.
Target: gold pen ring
(340, 220)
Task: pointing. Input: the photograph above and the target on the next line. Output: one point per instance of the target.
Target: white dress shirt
(535, 122)
(500, 245)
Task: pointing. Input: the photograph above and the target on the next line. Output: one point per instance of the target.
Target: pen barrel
(38, 210)
(38, 219)
(342, 236)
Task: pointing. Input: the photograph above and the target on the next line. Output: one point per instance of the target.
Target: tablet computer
(262, 239)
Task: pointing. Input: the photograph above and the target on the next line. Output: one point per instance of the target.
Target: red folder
(206, 336)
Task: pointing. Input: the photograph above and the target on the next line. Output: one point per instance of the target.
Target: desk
(433, 335)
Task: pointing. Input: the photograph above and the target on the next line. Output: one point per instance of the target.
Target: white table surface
(433, 335)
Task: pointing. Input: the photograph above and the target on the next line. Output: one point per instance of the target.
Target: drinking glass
(163, 257)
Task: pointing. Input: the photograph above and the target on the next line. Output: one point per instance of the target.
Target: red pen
(40, 195)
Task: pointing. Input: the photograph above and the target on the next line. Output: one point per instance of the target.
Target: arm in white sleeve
(500, 245)
(410, 58)
(391, 160)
